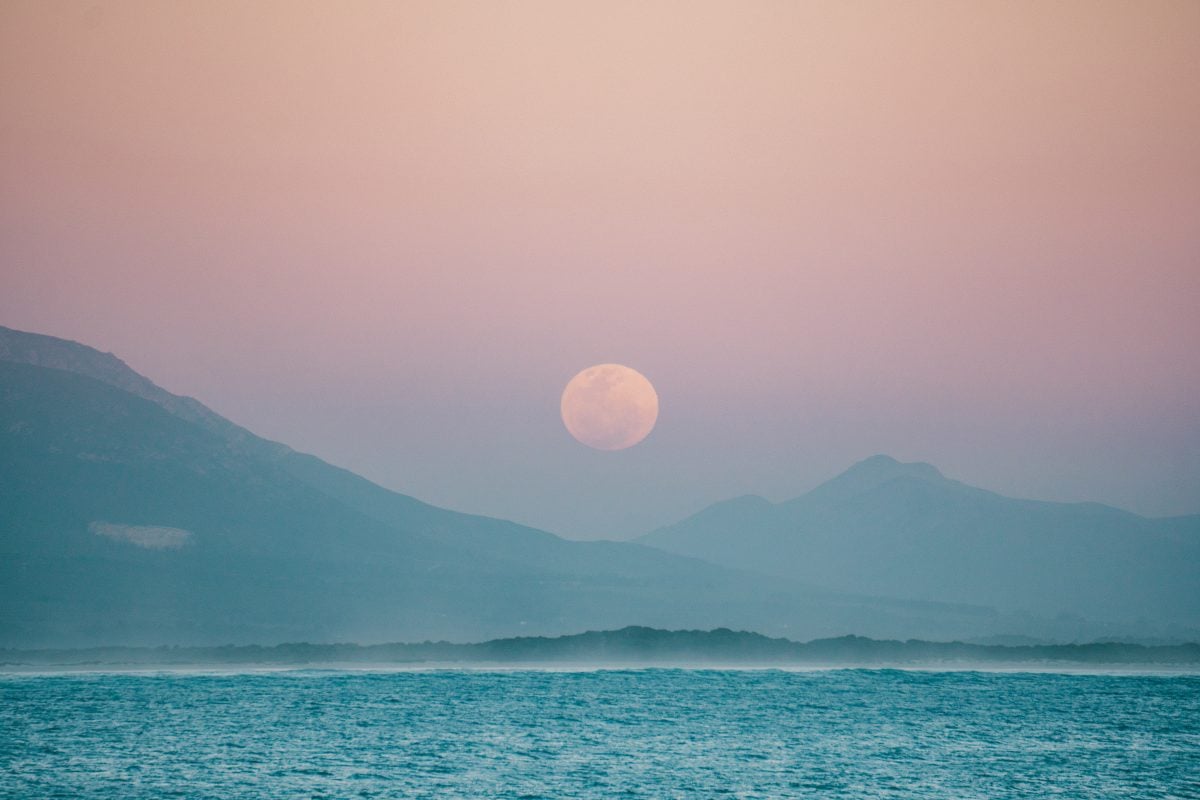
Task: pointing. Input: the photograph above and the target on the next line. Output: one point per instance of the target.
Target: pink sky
(389, 233)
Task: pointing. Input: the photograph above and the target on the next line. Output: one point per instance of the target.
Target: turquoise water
(603, 734)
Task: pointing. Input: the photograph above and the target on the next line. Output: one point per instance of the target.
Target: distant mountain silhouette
(129, 515)
(905, 530)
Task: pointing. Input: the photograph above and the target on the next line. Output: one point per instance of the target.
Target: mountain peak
(885, 466)
(40, 350)
(871, 472)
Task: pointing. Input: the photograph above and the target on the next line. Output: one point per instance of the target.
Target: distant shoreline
(571, 667)
(632, 648)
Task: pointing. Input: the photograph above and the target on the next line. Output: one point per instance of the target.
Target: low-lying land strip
(631, 645)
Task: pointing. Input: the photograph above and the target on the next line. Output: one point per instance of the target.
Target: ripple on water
(605, 734)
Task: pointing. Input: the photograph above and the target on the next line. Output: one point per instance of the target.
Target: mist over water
(602, 734)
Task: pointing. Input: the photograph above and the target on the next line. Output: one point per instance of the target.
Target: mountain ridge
(932, 536)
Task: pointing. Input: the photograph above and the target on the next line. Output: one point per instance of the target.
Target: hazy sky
(389, 233)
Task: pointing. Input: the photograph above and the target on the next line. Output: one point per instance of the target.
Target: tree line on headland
(633, 645)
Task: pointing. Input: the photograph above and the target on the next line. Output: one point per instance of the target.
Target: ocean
(646, 733)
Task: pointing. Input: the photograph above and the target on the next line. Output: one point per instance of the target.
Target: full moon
(609, 407)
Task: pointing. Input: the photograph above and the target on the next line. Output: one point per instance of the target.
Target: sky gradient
(390, 233)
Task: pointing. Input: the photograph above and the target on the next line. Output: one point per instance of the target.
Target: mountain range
(133, 516)
(130, 515)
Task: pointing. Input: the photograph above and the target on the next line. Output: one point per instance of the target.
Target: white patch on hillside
(151, 537)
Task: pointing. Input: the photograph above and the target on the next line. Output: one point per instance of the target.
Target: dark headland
(633, 645)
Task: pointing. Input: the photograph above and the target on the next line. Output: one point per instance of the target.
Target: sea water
(650, 733)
